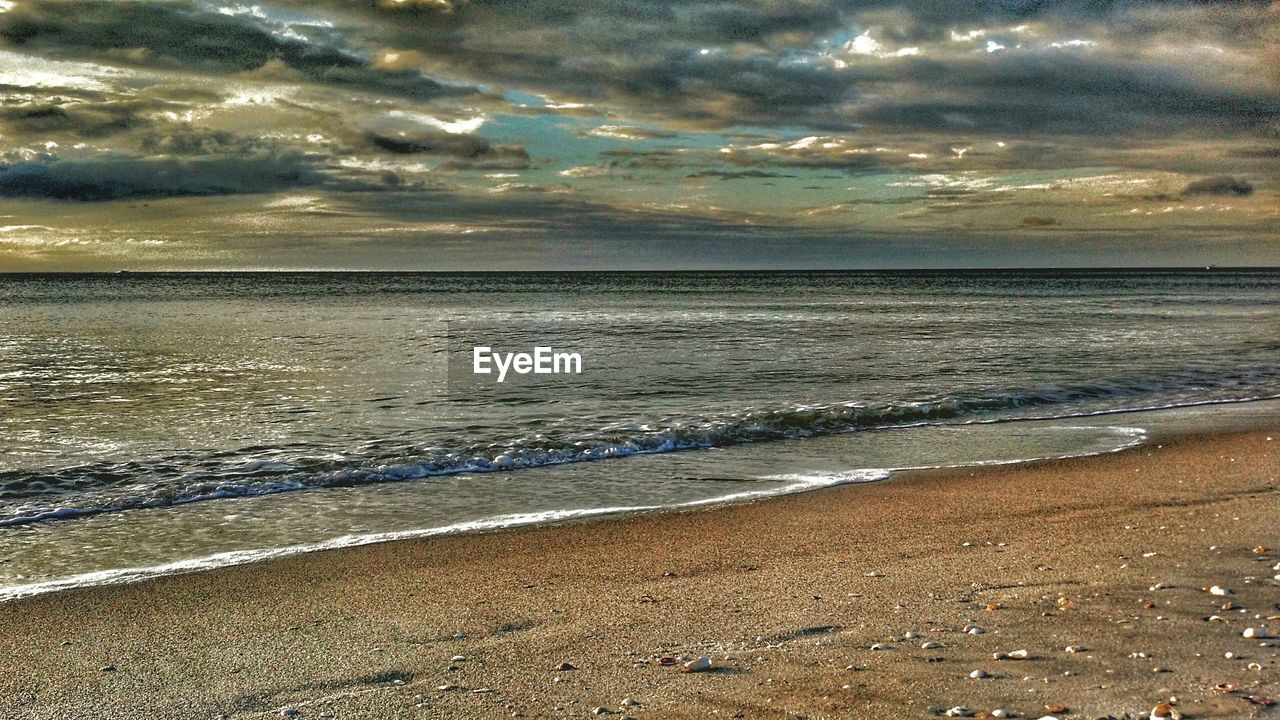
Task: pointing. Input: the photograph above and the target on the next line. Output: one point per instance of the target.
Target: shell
(702, 664)
(1165, 711)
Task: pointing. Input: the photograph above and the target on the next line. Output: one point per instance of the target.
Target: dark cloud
(738, 174)
(1219, 185)
(464, 149)
(190, 36)
(660, 159)
(123, 178)
(76, 117)
(757, 63)
(1038, 221)
(402, 134)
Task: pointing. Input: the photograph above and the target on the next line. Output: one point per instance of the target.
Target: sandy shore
(786, 596)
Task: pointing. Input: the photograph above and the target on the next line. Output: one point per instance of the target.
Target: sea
(159, 423)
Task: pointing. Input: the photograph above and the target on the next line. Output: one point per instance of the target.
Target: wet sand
(786, 596)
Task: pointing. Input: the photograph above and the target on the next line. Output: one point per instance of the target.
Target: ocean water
(167, 422)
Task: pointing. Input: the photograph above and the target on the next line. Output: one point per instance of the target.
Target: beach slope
(1096, 567)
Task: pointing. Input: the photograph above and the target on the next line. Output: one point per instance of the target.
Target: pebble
(600, 711)
(1073, 649)
(458, 658)
(999, 713)
(912, 634)
(931, 645)
(1015, 655)
(973, 629)
(959, 711)
(882, 646)
(875, 573)
(107, 668)
(1219, 591)
(289, 712)
(1259, 633)
(979, 674)
(629, 702)
(566, 667)
(1161, 586)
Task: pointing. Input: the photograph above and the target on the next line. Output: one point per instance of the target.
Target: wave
(790, 483)
(80, 491)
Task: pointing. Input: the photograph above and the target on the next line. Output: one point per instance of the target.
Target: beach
(1097, 567)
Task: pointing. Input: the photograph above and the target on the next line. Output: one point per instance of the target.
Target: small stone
(912, 635)
(629, 702)
(1219, 591)
(999, 713)
(1161, 586)
(566, 667)
(601, 711)
(973, 629)
(931, 645)
(959, 711)
(1073, 649)
(875, 573)
(1258, 632)
(458, 658)
(979, 674)
(1015, 655)
(107, 668)
(289, 712)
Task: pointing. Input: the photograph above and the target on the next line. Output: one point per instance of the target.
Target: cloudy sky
(438, 134)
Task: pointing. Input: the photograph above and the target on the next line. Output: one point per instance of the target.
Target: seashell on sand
(701, 664)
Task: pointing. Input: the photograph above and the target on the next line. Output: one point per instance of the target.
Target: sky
(546, 134)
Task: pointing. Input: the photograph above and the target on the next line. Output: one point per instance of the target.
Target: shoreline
(784, 595)
(553, 518)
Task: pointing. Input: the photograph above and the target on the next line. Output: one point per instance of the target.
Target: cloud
(624, 132)
(125, 178)
(737, 174)
(406, 134)
(76, 117)
(185, 35)
(1219, 185)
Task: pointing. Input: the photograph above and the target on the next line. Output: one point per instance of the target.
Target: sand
(785, 595)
